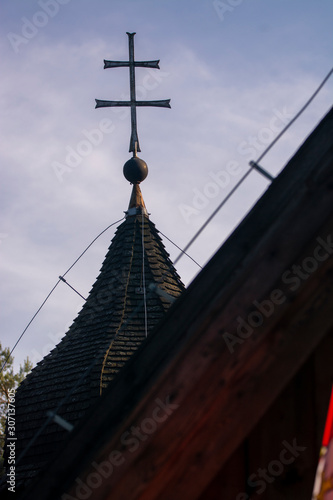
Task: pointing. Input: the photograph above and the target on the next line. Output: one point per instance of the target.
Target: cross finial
(133, 103)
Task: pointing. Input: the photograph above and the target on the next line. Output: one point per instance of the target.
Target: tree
(8, 380)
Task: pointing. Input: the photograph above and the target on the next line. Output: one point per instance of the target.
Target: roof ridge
(122, 317)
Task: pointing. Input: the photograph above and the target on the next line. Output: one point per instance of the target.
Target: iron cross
(133, 103)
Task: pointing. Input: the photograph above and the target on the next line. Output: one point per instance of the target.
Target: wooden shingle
(107, 331)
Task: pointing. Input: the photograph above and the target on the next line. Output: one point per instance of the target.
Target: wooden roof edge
(187, 328)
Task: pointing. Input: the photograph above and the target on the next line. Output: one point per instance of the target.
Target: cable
(223, 202)
(55, 286)
(70, 286)
(296, 116)
(93, 241)
(187, 255)
(143, 274)
(26, 328)
(250, 170)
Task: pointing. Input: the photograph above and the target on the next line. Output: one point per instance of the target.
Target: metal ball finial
(135, 170)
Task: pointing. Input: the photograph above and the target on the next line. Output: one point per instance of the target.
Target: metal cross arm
(133, 103)
(137, 64)
(109, 104)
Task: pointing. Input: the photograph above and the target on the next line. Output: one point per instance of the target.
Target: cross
(133, 103)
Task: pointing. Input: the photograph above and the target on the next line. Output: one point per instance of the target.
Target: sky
(236, 72)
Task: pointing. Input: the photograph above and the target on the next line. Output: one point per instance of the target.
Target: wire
(70, 286)
(93, 241)
(250, 170)
(26, 328)
(55, 286)
(223, 202)
(187, 255)
(143, 274)
(296, 116)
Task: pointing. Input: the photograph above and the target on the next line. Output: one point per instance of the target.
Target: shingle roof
(106, 332)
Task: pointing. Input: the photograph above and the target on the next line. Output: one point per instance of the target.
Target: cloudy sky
(236, 71)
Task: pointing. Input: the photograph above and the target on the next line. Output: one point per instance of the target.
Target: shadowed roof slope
(109, 328)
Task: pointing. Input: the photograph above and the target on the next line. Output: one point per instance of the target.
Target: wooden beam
(260, 466)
